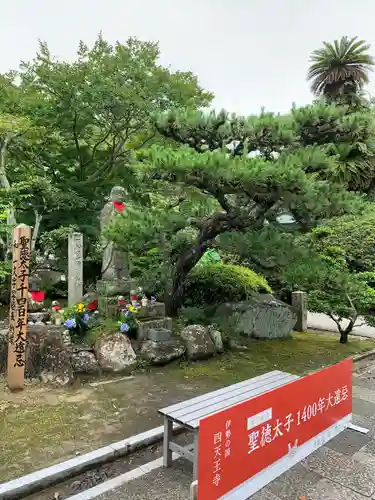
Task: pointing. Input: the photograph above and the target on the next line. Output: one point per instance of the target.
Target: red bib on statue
(120, 207)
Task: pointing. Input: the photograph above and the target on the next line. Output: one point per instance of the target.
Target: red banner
(240, 442)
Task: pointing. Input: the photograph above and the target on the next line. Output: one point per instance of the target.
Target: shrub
(195, 315)
(218, 283)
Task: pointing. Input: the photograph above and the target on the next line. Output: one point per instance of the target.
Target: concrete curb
(365, 355)
(317, 329)
(117, 482)
(25, 485)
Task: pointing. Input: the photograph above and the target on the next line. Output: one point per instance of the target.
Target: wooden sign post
(18, 307)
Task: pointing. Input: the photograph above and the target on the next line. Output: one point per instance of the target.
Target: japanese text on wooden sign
(18, 306)
(242, 441)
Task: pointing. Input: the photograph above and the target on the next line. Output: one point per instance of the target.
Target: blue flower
(86, 317)
(70, 323)
(124, 327)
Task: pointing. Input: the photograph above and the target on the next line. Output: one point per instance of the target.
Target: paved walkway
(317, 321)
(344, 469)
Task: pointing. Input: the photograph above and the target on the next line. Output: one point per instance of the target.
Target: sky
(250, 53)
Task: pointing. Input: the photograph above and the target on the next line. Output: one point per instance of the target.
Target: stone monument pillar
(300, 306)
(75, 268)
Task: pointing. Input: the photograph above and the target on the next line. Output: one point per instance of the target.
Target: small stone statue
(115, 266)
(57, 315)
(36, 301)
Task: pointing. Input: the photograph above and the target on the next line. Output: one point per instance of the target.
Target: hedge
(218, 283)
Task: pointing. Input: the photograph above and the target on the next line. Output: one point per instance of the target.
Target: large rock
(57, 379)
(115, 353)
(216, 338)
(263, 318)
(198, 342)
(237, 346)
(43, 342)
(161, 353)
(56, 362)
(84, 361)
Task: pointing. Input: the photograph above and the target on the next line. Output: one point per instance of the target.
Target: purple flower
(70, 323)
(124, 328)
(86, 317)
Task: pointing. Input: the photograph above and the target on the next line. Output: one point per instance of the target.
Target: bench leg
(195, 464)
(167, 453)
(194, 490)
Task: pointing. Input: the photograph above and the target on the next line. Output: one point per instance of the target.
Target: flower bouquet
(77, 320)
(128, 321)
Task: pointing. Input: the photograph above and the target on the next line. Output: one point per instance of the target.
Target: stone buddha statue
(115, 262)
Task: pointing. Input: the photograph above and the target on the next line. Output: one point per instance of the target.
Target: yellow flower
(133, 309)
(80, 308)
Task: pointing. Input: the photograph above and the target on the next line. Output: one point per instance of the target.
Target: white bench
(189, 413)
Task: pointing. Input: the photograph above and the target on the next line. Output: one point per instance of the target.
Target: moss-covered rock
(199, 344)
(262, 318)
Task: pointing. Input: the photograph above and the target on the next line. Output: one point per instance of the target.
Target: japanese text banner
(238, 443)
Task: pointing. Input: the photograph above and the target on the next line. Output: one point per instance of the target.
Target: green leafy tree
(344, 296)
(68, 128)
(99, 107)
(346, 136)
(339, 70)
(232, 191)
(350, 238)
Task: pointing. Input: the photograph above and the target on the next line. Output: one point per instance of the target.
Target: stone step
(156, 310)
(159, 335)
(152, 324)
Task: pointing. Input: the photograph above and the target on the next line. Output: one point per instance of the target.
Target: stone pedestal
(108, 293)
(153, 324)
(156, 310)
(159, 335)
(144, 327)
(114, 288)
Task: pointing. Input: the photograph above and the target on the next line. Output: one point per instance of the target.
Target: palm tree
(340, 69)
(354, 165)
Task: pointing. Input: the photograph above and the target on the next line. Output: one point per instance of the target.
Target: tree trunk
(344, 337)
(184, 265)
(38, 220)
(344, 334)
(173, 300)
(209, 229)
(4, 182)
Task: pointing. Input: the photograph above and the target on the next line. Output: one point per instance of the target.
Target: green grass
(299, 354)
(28, 429)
